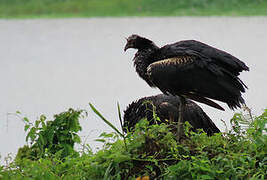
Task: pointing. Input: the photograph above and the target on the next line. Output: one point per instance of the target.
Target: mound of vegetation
(150, 151)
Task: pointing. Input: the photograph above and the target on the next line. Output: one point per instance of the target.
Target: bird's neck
(147, 46)
(143, 58)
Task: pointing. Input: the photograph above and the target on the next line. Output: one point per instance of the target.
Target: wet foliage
(150, 151)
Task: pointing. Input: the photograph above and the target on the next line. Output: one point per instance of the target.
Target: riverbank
(119, 8)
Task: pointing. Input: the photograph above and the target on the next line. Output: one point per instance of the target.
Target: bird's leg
(180, 119)
(245, 108)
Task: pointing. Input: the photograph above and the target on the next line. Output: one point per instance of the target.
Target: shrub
(52, 137)
(153, 151)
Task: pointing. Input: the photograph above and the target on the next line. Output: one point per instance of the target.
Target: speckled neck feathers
(142, 59)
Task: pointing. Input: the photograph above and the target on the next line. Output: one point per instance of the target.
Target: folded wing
(190, 74)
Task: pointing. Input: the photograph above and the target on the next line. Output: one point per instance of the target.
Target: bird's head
(138, 42)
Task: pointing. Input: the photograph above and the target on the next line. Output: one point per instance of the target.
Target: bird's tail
(205, 101)
(236, 103)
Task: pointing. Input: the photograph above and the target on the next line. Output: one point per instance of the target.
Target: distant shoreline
(115, 8)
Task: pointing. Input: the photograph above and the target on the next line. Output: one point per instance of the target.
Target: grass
(148, 151)
(118, 8)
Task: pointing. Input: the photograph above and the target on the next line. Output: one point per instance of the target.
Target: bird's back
(167, 109)
(222, 58)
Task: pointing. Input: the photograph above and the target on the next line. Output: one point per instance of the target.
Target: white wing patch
(176, 60)
(182, 60)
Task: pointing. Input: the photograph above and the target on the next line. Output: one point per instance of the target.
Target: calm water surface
(47, 66)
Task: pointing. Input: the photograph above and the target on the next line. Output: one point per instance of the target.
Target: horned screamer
(190, 69)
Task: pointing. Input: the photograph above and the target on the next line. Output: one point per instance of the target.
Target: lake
(49, 65)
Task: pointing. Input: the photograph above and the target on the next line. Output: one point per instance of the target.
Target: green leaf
(119, 157)
(205, 177)
(26, 127)
(106, 135)
(119, 112)
(37, 122)
(105, 120)
(41, 139)
(108, 171)
(26, 119)
(100, 140)
(76, 138)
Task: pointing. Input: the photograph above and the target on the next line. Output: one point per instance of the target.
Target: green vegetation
(52, 137)
(149, 151)
(96, 8)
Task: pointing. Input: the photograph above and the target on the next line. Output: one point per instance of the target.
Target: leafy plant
(52, 137)
(152, 150)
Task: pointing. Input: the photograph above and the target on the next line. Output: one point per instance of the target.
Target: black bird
(190, 69)
(167, 109)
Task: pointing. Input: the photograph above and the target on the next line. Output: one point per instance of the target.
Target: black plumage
(167, 109)
(190, 69)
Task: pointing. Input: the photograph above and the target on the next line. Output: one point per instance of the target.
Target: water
(47, 66)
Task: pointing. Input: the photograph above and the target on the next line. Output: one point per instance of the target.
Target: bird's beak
(126, 46)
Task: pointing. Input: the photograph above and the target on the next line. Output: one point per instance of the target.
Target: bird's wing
(195, 76)
(182, 56)
(221, 58)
